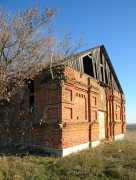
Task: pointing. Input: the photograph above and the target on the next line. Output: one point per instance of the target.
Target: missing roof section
(88, 65)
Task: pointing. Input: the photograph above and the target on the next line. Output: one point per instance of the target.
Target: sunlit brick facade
(71, 112)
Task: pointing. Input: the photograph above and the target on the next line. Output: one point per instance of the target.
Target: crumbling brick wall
(65, 114)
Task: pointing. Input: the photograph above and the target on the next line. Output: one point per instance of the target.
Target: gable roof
(111, 67)
(101, 64)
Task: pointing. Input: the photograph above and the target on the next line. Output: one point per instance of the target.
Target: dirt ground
(131, 132)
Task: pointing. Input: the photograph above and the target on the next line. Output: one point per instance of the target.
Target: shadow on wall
(20, 150)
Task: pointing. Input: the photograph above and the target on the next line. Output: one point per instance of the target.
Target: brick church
(74, 104)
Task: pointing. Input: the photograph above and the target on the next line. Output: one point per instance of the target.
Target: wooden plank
(108, 71)
(98, 64)
(94, 60)
(94, 69)
(89, 56)
(103, 61)
(81, 64)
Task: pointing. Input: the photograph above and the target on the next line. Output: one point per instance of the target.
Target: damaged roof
(96, 63)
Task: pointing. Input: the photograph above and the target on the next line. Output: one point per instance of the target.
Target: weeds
(116, 162)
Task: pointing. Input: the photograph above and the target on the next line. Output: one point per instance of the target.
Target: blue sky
(112, 23)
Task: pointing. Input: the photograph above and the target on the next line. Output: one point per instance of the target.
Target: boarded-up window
(94, 115)
(68, 95)
(94, 101)
(101, 125)
(116, 116)
(80, 109)
(68, 113)
(116, 107)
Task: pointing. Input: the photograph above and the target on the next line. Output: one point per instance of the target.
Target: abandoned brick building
(74, 104)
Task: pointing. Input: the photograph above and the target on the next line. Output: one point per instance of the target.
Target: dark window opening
(31, 90)
(106, 78)
(88, 66)
(96, 70)
(102, 73)
(110, 79)
(101, 59)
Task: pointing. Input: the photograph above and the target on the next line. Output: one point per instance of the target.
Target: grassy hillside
(116, 161)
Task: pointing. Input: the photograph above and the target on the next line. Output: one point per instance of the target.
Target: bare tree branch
(27, 42)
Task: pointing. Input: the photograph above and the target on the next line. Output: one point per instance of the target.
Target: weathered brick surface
(118, 129)
(66, 113)
(94, 132)
(102, 99)
(75, 134)
(50, 138)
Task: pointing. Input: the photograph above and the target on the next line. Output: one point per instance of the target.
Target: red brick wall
(84, 108)
(47, 136)
(66, 114)
(94, 132)
(47, 105)
(75, 134)
(117, 129)
(86, 90)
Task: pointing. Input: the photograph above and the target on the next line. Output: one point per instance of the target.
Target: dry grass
(131, 132)
(130, 135)
(107, 162)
